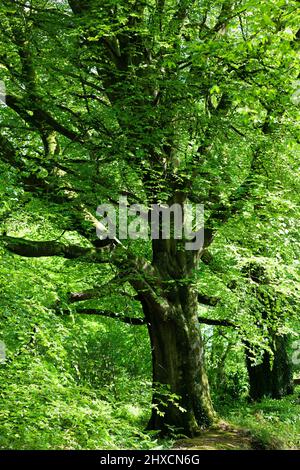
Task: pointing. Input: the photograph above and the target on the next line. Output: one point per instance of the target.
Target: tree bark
(273, 377)
(178, 369)
(181, 397)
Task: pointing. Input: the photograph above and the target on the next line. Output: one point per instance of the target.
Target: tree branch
(109, 314)
(84, 295)
(142, 321)
(30, 248)
(98, 291)
(207, 300)
(39, 118)
(209, 321)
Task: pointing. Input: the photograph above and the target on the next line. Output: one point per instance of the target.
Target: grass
(274, 424)
(43, 408)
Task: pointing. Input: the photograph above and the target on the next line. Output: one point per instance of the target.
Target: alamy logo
(137, 221)
(2, 353)
(2, 92)
(296, 353)
(295, 98)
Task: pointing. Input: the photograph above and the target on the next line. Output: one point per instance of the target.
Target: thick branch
(84, 295)
(142, 321)
(98, 291)
(30, 248)
(39, 118)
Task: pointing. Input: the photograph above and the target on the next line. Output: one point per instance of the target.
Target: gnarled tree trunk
(181, 397)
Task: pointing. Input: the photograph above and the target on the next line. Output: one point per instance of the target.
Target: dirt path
(223, 437)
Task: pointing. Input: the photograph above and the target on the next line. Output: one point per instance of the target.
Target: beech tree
(164, 102)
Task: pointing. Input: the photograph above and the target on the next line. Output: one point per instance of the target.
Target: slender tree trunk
(273, 377)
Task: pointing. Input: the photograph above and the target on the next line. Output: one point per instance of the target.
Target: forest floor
(223, 437)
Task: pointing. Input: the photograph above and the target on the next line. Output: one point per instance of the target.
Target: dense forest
(112, 337)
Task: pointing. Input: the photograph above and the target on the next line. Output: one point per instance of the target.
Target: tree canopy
(161, 102)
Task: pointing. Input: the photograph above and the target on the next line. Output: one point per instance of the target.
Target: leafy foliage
(158, 101)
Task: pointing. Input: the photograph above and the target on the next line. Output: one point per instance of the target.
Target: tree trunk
(181, 398)
(273, 377)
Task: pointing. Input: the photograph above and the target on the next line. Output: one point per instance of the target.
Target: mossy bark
(273, 377)
(181, 397)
